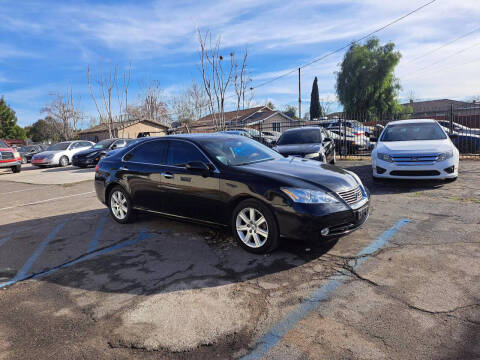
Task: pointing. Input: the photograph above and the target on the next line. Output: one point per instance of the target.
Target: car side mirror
(113, 147)
(199, 167)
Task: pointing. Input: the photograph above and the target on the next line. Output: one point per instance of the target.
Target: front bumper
(9, 164)
(44, 162)
(306, 222)
(446, 169)
(84, 161)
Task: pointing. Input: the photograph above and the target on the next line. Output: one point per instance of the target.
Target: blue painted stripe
(142, 236)
(4, 240)
(275, 335)
(92, 246)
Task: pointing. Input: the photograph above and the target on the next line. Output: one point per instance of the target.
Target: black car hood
(88, 152)
(296, 172)
(298, 149)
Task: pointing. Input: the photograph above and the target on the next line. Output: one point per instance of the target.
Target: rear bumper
(8, 164)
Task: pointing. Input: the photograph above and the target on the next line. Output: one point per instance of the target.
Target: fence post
(451, 119)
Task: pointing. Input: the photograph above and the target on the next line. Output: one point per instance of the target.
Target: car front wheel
(63, 161)
(120, 205)
(254, 227)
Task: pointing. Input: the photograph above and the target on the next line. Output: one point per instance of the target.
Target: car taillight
(96, 168)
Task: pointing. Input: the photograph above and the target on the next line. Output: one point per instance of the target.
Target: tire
(121, 214)
(334, 160)
(63, 161)
(259, 238)
(24, 160)
(17, 169)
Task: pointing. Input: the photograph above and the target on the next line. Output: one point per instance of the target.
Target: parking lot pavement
(48, 176)
(75, 284)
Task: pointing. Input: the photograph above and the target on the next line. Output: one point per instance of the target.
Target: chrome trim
(178, 216)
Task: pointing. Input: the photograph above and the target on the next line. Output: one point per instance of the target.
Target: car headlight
(384, 157)
(307, 196)
(16, 154)
(50, 156)
(312, 155)
(445, 155)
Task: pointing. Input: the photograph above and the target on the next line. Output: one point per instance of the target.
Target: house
(126, 129)
(260, 118)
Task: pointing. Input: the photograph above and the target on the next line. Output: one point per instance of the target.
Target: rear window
(301, 137)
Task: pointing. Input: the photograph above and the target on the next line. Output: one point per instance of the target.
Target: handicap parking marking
(45, 201)
(276, 334)
(92, 246)
(22, 273)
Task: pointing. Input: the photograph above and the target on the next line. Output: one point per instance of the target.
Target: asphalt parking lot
(76, 285)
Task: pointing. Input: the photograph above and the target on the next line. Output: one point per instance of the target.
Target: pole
(299, 96)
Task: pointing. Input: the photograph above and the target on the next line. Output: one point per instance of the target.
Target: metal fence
(355, 135)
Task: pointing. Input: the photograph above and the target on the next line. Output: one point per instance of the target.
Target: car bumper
(44, 162)
(8, 164)
(447, 169)
(84, 161)
(100, 190)
(340, 220)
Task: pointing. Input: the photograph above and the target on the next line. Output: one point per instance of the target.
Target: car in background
(237, 132)
(27, 151)
(256, 135)
(349, 143)
(309, 142)
(92, 156)
(415, 149)
(458, 128)
(235, 182)
(465, 143)
(10, 158)
(60, 154)
(273, 136)
(354, 126)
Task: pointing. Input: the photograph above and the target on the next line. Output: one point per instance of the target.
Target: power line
(444, 45)
(343, 47)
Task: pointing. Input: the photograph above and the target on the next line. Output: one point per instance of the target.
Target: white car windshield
(412, 132)
(59, 146)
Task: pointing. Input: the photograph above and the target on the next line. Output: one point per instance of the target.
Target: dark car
(232, 181)
(255, 135)
(92, 156)
(27, 152)
(307, 142)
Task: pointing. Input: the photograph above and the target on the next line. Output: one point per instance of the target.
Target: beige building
(127, 129)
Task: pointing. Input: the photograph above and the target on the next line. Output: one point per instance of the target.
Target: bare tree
(216, 75)
(107, 92)
(241, 81)
(151, 105)
(63, 115)
(190, 104)
(326, 105)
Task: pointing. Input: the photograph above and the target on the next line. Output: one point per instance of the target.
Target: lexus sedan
(235, 182)
(60, 154)
(415, 149)
(309, 142)
(91, 156)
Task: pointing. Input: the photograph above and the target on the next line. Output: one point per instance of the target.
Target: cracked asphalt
(161, 289)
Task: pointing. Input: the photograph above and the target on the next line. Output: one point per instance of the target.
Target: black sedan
(232, 181)
(92, 156)
(308, 142)
(27, 152)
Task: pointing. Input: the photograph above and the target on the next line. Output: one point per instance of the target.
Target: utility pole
(299, 96)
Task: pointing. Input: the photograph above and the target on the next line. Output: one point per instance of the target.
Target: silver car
(60, 154)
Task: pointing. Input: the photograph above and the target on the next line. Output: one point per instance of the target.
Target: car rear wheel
(254, 227)
(24, 160)
(120, 205)
(63, 161)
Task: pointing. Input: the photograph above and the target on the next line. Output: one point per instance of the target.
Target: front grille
(6, 155)
(415, 173)
(415, 159)
(352, 196)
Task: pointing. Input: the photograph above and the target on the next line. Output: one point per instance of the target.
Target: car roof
(193, 137)
(410, 121)
(304, 128)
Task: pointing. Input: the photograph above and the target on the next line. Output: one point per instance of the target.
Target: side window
(73, 145)
(151, 152)
(85, 144)
(182, 152)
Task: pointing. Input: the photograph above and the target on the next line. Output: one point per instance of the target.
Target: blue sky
(46, 46)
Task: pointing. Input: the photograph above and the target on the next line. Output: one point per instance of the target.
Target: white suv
(61, 153)
(415, 149)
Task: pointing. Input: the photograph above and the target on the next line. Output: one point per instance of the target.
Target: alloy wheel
(252, 227)
(118, 204)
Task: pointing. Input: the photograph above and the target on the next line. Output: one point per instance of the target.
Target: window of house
(276, 126)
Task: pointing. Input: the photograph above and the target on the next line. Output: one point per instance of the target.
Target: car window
(150, 152)
(183, 152)
(85, 144)
(301, 136)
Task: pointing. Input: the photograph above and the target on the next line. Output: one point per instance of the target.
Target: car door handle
(167, 175)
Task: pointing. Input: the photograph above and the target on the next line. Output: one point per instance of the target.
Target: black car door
(190, 193)
(142, 170)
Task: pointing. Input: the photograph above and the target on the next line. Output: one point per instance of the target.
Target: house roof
(118, 126)
(435, 105)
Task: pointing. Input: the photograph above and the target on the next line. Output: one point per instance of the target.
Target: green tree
(8, 122)
(291, 111)
(41, 131)
(315, 108)
(366, 84)
(270, 104)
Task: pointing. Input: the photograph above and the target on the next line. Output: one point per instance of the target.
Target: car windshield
(239, 151)
(59, 146)
(413, 131)
(301, 136)
(3, 145)
(26, 148)
(104, 144)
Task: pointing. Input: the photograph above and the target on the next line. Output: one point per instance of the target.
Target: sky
(47, 46)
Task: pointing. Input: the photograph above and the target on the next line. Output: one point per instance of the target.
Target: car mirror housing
(198, 166)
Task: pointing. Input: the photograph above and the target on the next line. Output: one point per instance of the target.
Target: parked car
(237, 132)
(415, 149)
(356, 127)
(27, 152)
(465, 143)
(9, 158)
(273, 136)
(92, 156)
(310, 142)
(459, 128)
(60, 154)
(351, 144)
(256, 135)
(232, 181)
